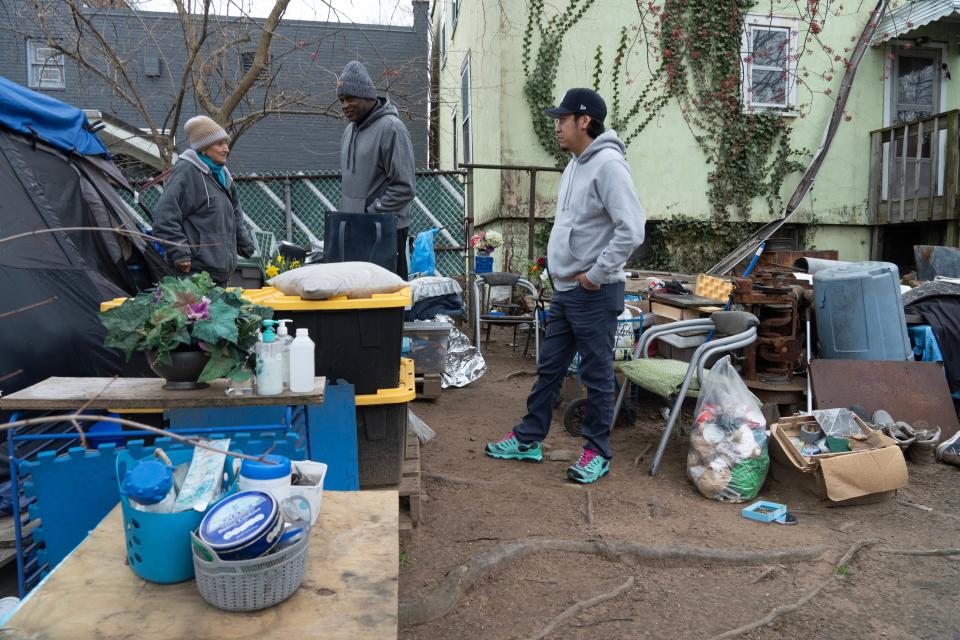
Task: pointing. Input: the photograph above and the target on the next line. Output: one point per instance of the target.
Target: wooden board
(140, 393)
(429, 386)
(685, 301)
(350, 591)
(908, 391)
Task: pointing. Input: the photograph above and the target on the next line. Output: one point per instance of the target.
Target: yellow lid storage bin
(382, 430)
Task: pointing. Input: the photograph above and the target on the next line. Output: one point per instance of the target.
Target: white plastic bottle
(302, 366)
(269, 362)
(283, 335)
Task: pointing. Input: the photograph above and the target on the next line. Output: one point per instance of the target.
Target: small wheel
(573, 416)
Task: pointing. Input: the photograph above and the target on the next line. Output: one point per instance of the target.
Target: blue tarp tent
(57, 123)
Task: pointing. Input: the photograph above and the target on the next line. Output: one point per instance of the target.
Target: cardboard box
(841, 477)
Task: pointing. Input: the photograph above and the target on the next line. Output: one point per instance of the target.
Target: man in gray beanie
(376, 155)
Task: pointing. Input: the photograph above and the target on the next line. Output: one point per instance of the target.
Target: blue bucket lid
(275, 467)
(239, 519)
(148, 482)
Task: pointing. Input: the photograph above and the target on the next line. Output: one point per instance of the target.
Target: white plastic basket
(248, 585)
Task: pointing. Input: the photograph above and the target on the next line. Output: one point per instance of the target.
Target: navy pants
(585, 322)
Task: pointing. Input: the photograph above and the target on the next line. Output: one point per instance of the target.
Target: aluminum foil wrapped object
(464, 362)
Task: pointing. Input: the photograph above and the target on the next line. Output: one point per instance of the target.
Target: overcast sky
(398, 12)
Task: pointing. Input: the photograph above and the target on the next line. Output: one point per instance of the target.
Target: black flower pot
(182, 373)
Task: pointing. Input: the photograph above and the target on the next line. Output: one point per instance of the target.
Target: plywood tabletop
(139, 393)
(349, 593)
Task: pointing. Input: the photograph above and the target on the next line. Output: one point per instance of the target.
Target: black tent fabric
(51, 284)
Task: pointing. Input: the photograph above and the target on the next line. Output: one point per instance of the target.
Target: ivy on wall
(749, 152)
(698, 64)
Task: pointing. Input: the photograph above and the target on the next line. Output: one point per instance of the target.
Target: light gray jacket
(377, 165)
(599, 221)
(195, 209)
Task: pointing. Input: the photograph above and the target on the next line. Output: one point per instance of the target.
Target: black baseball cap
(580, 101)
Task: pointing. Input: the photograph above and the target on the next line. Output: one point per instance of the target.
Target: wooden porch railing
(898, 191)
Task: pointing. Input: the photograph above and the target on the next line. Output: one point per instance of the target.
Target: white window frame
(466, 110)
(454, 130)
(36, 66)
(443, 32)
(454, 9)
(754, 23)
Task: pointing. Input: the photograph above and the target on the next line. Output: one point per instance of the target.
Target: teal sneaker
(509, 448)
(589, 468)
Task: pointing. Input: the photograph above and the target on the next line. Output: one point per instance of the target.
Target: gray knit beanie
(356, 82)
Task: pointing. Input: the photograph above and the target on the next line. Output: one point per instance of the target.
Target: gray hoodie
(195, 209)
(376, 161)
(599, 220)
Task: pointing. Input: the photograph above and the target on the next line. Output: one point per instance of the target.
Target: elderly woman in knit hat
(199, 208)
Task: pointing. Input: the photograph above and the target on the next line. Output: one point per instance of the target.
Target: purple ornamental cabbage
(199, 310)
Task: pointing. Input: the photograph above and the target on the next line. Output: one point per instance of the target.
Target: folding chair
(674, 379)
(483, 315)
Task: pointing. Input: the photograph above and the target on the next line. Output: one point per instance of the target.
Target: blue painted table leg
(332, 437)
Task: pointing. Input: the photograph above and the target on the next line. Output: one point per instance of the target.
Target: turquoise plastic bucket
(158, 544)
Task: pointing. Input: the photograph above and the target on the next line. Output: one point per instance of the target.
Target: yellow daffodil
(295, 264)
(272, 271)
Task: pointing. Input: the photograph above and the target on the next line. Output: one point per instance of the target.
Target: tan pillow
(351, 279)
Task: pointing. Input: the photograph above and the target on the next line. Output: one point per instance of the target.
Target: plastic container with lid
(356, 339)
(242, 526)
(272, 476)
(149, 487)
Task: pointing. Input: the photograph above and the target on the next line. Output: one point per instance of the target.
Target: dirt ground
(877, 595)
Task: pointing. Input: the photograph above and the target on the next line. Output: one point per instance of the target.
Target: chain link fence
(292, 207)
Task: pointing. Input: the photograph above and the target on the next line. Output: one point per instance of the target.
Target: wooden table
(139, 393)
(350, 591)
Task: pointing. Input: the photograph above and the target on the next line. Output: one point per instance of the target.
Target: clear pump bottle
(269, 362)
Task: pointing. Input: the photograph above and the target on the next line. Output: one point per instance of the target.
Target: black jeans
(585, 322)
(402, 252)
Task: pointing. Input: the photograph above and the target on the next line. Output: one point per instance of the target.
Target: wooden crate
(428, 386)
(411, 500)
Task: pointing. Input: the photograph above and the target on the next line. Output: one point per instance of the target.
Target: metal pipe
(809, 379)
(287, 209)
(468, 233)
(532, 214)
(813, 265)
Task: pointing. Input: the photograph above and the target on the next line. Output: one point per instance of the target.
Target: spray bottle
(285, 339)
(269, 361)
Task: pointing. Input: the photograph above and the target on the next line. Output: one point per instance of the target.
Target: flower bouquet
(486, 241)
(190, 314)
(277, 265)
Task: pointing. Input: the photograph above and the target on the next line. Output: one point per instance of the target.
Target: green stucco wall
(669, 169)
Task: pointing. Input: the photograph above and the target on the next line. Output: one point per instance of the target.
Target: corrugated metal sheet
(910, 17)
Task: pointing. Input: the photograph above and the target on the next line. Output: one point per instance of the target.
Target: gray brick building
(305, 57)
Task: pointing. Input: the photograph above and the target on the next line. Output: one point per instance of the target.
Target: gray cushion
(497, 279)
(730, 323)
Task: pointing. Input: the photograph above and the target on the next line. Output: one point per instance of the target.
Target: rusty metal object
(935, 261)
(776, 302)
(908, 391)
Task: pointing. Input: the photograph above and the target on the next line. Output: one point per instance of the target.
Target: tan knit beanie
(203, 132)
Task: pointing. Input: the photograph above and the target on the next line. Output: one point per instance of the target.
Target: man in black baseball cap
(598, 224)
(580, 102)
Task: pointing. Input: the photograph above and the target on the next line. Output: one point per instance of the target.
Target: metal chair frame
(479, 318)
(697, 362)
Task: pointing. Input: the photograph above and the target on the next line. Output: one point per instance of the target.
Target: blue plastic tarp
(57, 123)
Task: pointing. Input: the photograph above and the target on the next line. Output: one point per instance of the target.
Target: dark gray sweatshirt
(195, 209)
(376, 161)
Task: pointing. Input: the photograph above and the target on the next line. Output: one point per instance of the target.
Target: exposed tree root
(444, 597)
(573, 610)
(921, 552)
(788, 608)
